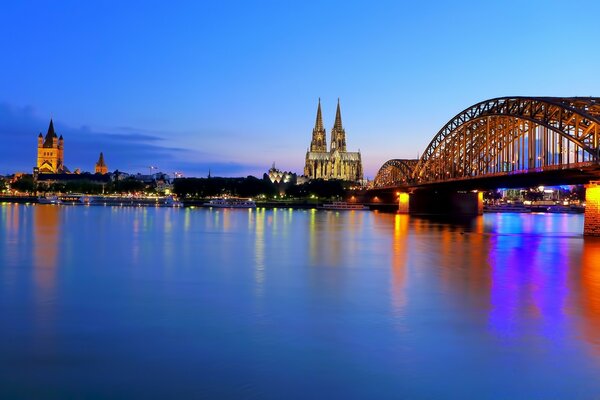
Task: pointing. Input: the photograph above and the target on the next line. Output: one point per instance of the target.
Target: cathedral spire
(319, 139)
(319, 121)
(338, 117)
(338, 135)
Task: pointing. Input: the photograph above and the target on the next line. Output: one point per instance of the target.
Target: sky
(232, 86)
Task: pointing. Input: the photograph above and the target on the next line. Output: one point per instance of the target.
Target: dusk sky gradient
(233, 86)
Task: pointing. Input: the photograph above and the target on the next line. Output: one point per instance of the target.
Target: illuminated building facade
(101, 167)
(50, 152)
(337, 163)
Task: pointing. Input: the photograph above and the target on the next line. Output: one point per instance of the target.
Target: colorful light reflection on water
(144, 302)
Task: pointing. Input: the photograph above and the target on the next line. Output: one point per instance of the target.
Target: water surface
(110, 302)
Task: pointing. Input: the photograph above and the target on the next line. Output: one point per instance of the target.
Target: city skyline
(231, 87)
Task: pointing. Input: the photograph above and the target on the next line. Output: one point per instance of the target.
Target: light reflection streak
(259, 251)
(529, 272)
(399, 258)
(46, 233)
(588, 295)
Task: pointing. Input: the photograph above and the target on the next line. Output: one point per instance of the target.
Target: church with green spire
(337, 163)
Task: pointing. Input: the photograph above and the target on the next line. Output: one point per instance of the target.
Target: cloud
(128, 150)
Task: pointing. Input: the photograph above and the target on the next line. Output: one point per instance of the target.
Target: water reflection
(587, 291)
(46, 237)
(259, 249)
(267, 300)
(399, 257)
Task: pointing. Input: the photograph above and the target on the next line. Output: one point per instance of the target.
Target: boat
(170, 201)
(49, 200)
(87, 200)
(342, 205)
(231, 203)
(506, 208)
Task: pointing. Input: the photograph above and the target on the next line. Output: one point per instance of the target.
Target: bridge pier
(441, 203)
(403, 203)
(591, 218)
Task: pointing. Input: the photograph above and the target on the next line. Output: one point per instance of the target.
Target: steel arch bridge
(509, 135)
(395, 172)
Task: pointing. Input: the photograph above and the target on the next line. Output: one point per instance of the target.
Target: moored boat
(342, 205)
(170, 201)
(231, 203)
(49, 200)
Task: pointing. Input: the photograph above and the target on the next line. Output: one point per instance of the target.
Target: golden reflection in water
(168, 221)
(399, 254)
(590, 292)
(312, 236)
(332, 242)
(355, 225)
(326, 239)
(259, 249)
(227, 219)
(46, 236)
(10, 218)
(187, 219)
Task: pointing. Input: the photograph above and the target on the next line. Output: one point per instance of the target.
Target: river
(122, 302)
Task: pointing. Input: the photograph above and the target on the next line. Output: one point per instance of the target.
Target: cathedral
(50, 152)
(337, 163)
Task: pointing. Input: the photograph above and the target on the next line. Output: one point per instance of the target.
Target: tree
(24, 184)
(210, 187)
(320, 188)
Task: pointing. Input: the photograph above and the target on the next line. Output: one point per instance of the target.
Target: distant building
(50, 152)
(101, 167)
(337, 163)
(278, 176)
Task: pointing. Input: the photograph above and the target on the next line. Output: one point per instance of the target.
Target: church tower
(319, 136)
(101, 167)
(50, 152)
(338, 134)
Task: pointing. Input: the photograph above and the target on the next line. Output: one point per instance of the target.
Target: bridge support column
(445, 203)
(403, 203)
(591, 219)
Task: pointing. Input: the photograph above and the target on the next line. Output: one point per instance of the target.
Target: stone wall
(591, 222)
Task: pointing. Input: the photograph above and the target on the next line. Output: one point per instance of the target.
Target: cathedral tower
(50, 152)
(338, 134)
(319, 136)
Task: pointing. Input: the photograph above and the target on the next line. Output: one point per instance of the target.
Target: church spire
(319, 121)
(338, 135)
(319, 137)
(51, 132)
(338, 117)
(101, 160)
(101, 167)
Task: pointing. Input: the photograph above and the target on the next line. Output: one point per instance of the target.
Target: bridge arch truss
(511, 135)
(395, 172)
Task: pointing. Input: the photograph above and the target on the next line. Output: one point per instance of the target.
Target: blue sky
(233, 86)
